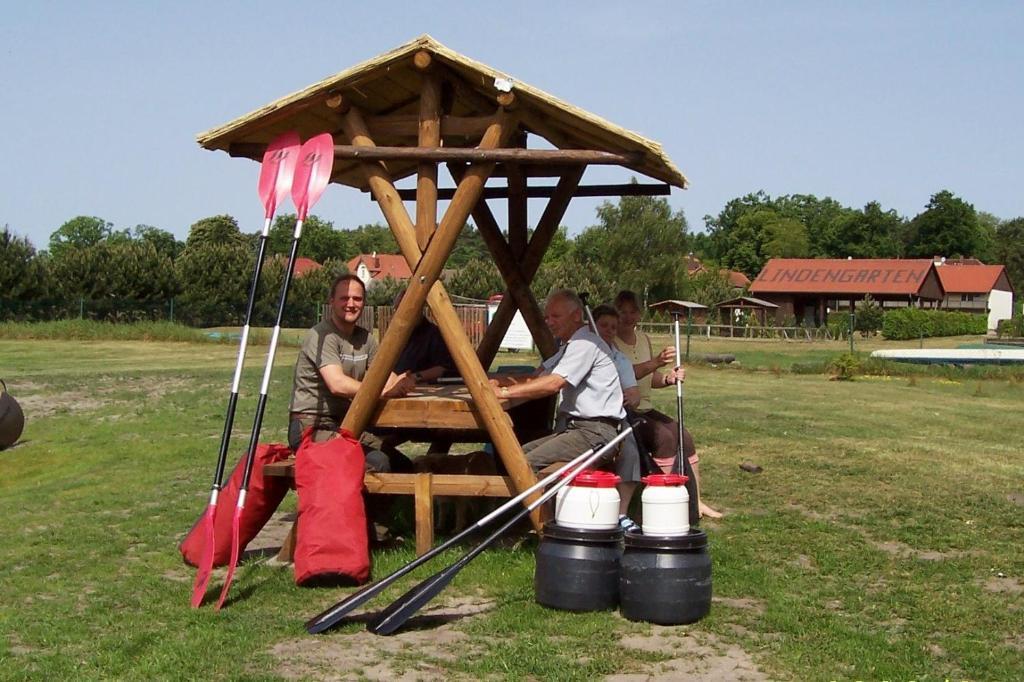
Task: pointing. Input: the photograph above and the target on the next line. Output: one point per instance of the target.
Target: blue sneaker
(627, 524)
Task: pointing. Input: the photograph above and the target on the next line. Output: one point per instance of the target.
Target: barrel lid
(694, 540)
(592, 478)
(557, 532)
(664, 480)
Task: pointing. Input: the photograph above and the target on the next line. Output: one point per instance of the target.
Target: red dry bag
(331, 544)
(263, 498)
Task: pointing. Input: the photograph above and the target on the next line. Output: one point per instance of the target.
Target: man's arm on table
(343, 385)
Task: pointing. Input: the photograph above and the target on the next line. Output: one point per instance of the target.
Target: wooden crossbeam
(631, 189)
(529, 264)
(480, 155)
(424, 286)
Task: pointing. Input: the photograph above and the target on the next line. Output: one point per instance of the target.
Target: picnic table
(437, 413)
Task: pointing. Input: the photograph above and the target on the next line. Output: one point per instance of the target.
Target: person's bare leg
(705, 510)
(626, 491)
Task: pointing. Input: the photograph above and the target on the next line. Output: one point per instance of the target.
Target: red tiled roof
(842, 276)
(736, 278)
(382, 265)
(305, 265)
(969, 279)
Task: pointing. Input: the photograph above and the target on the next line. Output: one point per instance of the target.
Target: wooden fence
(747, 332)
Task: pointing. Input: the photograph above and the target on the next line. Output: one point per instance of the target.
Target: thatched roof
(390, 83)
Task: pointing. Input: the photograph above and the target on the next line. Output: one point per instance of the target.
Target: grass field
(883, 540)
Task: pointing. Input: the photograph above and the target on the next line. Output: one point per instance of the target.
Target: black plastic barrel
(12, 419)
(578, 570)
(665, 580)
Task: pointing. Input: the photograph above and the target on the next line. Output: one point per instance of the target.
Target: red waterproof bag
(331, 545)
(264, 496)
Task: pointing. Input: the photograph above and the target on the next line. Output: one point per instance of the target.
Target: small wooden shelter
(404, 113)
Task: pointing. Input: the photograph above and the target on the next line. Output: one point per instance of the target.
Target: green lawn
(883, 540)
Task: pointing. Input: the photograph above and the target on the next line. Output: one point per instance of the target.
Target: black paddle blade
(397, 614)
(332, 617)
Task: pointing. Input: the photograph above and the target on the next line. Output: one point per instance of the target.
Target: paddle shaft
(682, 464)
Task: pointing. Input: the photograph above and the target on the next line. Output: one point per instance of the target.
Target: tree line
(638, 243)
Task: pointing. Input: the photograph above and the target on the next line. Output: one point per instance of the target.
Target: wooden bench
(422, 486)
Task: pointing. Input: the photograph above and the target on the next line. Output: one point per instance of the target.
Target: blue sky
(858, 101)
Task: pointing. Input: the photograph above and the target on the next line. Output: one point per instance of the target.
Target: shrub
(844, 367)
(1012, 327)
(912, 323)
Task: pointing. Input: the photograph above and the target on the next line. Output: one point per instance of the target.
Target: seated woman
(660, 433)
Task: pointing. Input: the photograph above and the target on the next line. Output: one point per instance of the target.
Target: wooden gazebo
(403, 113)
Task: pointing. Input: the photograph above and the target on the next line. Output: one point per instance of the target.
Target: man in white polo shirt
(583, 372)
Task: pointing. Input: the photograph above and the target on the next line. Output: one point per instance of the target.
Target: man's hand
(667, 356)
(676, 375)
(398, 385)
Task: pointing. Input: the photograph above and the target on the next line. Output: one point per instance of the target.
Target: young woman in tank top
(660, 433)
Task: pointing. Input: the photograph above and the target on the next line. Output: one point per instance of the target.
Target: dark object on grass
(12, 419)
(718, 358)
(578, 570)
(665, 580)
(751, 467)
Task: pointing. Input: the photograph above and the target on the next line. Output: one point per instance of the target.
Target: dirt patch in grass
(1004, 585)
(744, 603)
(695, 656)
(416, 653)
(96, 396)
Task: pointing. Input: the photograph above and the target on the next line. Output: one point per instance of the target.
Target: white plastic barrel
(666, 505)
(589, 502)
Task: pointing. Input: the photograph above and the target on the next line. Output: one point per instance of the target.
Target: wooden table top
(434, 406)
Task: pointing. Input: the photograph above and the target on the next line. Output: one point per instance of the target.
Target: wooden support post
(528, 265)
(518, 216)
(429, 136)
(424, 503)
(424, 286)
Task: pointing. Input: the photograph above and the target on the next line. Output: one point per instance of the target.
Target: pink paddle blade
(235, 551)
(277, 171)
(313, 172)
(205, 568)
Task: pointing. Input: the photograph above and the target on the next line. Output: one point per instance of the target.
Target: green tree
(23, 274)
(79, 232)
(948, 227)
(163, 241)
(477, 279)
(371, 238)
(785, 238)
(383, 291)
(868, 233)
(219, 229)
(1009, 248)
(214, 272)
(988, 226)
(580, 276)
(641, 241)
(320, 241)
(708, 288)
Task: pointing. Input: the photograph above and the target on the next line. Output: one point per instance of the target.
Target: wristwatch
(504, 391)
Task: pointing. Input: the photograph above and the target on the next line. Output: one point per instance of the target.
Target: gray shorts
(579, 436)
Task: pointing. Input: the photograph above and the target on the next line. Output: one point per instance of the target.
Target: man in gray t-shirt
(583, 372)
(331, 365)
